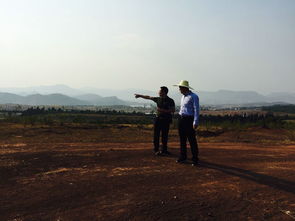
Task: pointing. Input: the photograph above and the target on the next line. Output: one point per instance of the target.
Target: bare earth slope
(125, 181)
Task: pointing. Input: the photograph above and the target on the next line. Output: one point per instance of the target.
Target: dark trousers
(187, 132)
(161, 126)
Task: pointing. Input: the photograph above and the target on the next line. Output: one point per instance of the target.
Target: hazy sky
(215, 44)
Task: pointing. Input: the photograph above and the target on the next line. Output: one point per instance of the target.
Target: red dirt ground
(125, 181)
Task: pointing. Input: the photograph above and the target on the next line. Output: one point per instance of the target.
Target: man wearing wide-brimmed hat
(188, 122)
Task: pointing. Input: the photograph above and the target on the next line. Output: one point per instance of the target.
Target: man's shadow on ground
(270, 181)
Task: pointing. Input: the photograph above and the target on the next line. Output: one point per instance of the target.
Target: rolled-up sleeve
(196, 109)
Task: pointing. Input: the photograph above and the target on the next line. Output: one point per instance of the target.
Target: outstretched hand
(137, 95)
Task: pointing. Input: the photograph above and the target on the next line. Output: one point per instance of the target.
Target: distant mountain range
(60, 99)
(64, 95)
(244, 97)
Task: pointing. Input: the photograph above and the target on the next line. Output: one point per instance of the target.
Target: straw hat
(183, 83)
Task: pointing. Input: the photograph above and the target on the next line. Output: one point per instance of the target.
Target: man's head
(183, 90)
(163, 91)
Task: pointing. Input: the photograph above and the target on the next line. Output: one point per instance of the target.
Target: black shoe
(195, 164)
(158, 153)
(165, 152)
(180, 160)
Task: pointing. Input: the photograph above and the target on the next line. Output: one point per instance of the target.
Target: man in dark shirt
(165, 110)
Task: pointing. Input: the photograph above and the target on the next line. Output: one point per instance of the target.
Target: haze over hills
(64, 95)
(243, 97)
(44, 90)
(95, 99)
(38, 99)
(59, 99)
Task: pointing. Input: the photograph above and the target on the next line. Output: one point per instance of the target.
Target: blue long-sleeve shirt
(190, 106)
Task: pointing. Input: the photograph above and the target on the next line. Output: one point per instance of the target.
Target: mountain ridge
(95, 96)
(56, 99)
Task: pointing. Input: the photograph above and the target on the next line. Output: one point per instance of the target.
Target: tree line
(58, 116)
